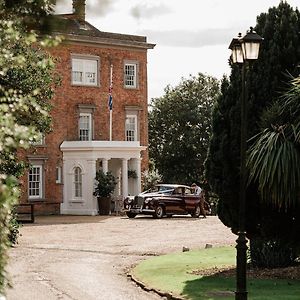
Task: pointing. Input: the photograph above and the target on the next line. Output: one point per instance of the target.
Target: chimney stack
(79, 9)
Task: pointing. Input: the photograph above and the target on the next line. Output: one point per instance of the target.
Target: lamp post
(244, 49)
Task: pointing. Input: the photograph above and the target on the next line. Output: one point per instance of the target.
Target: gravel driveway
(76, 258)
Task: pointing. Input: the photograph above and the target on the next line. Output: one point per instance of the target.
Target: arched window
(77, 182)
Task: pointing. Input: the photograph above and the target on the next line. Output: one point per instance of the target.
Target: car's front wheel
(159, 212)
(197, 211)
(130, 215)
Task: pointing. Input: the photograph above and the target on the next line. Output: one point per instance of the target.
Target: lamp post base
(241, 265)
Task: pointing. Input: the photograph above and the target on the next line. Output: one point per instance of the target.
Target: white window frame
(130, 80)
(129, 137)
(89, 129)
(88, 67)
(58, 174)
(77, 184)
(37, 184)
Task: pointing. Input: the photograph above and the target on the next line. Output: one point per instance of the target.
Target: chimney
(79, 9)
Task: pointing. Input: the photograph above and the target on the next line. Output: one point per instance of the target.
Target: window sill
(85, 85)
(36, 199)
(76, 201)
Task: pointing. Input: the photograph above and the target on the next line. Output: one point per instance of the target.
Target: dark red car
(165, 200)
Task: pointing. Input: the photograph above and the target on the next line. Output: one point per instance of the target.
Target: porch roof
(103, 148)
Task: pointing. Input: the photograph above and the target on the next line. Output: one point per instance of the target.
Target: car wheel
(159, 212)
(130, 215)
(196, 213)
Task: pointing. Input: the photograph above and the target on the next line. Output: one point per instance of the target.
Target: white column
(91, 200)
(63, 205)
(139, 175)
(124, 177)
(105, 165)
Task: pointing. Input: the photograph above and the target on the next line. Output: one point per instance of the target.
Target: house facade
(99, 118)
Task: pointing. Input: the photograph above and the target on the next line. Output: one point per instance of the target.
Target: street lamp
(243, 49)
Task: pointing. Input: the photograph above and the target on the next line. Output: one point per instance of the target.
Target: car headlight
(147, 200)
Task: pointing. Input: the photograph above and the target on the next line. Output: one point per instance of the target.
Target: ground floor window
(77, 182)
(58, 175)
(35, 182)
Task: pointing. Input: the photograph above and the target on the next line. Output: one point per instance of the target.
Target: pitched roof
(77, 30)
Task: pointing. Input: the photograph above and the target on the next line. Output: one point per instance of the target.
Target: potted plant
(105, 185)
(132, 174)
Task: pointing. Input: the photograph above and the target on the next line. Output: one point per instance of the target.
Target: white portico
(81, 160)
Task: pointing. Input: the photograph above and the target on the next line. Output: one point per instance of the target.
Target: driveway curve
(85, 257)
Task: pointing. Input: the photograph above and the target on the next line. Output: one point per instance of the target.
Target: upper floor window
(35, 183)
(131, 128)
(130, 75)
(85, 127)
(85, 71)
(77, 182)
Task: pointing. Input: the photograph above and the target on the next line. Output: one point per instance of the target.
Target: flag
(110, 99)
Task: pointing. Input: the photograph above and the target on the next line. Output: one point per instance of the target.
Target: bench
(25, 213)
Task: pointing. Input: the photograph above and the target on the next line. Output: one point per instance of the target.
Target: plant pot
(104, 205)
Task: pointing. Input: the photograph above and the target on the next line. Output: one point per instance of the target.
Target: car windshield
(163, 189)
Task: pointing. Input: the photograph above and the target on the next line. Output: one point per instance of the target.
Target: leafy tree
(180, 128)
(25, 88)
(266, 81)
(274, 163)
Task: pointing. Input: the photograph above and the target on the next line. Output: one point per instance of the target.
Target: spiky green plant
(274, 157)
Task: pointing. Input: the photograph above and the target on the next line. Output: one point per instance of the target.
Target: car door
(190, 200)
(174, 203)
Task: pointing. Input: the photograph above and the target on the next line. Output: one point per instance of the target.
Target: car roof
(171, 185)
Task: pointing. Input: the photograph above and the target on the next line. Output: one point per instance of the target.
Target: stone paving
(76, 258)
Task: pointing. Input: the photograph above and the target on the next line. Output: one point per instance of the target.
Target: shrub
(271, 253)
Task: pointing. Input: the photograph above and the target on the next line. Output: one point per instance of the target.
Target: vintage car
(165, 200)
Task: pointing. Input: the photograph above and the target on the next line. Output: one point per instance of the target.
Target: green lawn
(171, 273)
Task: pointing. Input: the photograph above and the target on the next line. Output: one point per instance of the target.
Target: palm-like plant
(274, 157)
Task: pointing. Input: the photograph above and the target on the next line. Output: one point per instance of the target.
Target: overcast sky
(191, 36)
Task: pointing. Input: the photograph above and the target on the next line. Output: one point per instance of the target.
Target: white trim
(130, 80)
(38, 182)
(77, 185)
(89, 129)
(127, 137)
(58, 174)
(106, 146)
(87, 67)
(81, 212)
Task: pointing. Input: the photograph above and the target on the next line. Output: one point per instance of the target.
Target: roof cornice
(106, 41)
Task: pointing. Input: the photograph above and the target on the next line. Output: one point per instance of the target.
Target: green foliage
(132, 174)
(14, 228)
(180, 128)
(26, 85)
(176, 274)
(274, 253)
(150, 179)
(266, 81)
(9, 194)
(105, 184)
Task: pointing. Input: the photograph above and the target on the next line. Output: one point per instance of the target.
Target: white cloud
(192, 35)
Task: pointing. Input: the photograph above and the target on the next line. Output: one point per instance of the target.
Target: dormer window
(85, 71)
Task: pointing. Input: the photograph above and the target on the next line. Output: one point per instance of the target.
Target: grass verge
(173, 273)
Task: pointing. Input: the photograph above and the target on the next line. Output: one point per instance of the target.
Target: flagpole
(110, 102)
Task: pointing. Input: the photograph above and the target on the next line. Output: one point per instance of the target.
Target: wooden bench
(25, 213)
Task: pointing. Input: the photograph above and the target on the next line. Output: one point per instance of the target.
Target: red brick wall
(65, 110)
